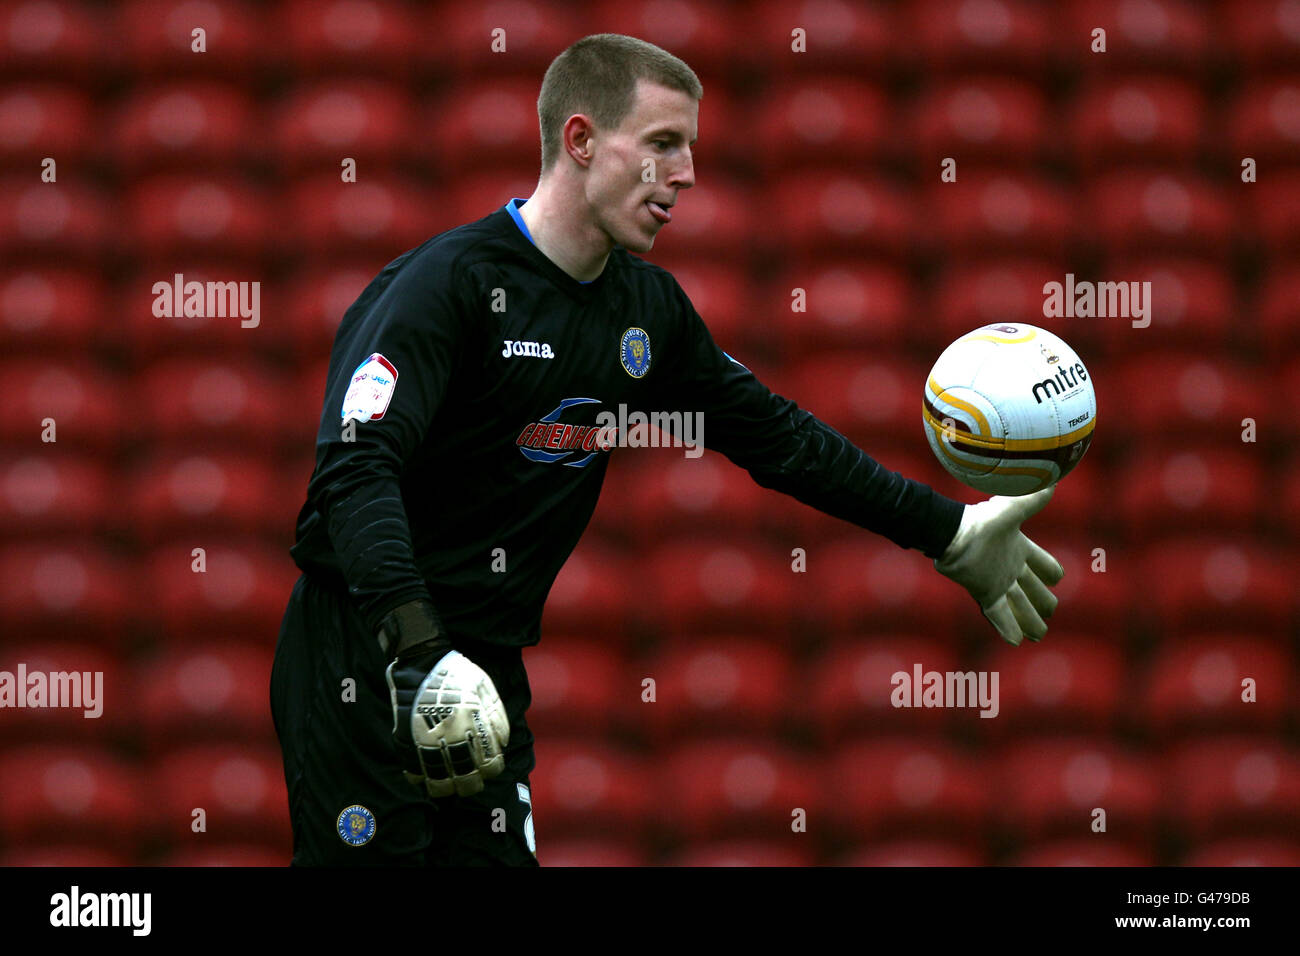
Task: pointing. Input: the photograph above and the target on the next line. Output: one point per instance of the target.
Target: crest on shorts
(356, 825)
(634, 350)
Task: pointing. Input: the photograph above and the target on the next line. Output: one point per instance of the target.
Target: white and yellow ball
(1009, 409)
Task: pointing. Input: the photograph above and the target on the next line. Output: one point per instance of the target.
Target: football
(1009, 409)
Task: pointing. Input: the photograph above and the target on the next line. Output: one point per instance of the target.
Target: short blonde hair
(598, 76)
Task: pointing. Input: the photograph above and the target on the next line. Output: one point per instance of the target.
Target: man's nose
(683, 174)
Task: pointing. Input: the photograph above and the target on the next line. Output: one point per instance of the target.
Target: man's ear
(578, 138)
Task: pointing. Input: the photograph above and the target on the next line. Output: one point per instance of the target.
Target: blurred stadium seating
(771, 688)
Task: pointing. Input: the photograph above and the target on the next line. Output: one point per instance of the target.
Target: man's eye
(661, 143)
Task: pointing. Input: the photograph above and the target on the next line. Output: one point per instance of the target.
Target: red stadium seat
(84, 692)
(577, 685)
(315, 302)
(480, 194)
(219, 215)
(1201, 581)
(715, 584)
(839, 35)
(84, 404)
(1258, 851)
(63, 794)
(588, 790)
(904, 786)
(594, 595)
(209, 691)
(234, 854)
(1279, 313)
(969, 295)
(155, 37)
(49, 589)
(244, 589)
(51, 494)
(583, 853)
(1080, 500)
(1133, 211)
(50, 306)
(462, 39)
(59, 37)
(350, 36)
(242, 322)
(914, 853)
(692, 496)
(1141, 34)
(476, 123)
(239, 402)
(870, 398)
(74, 855)
(982, 121)
(1178, 487)
(1275, 212)
(1264, 121)
(863, 581)
(701, 34)
(239, 787)
(45, 119)
(994, 212)
(815, 117)
(718, 218)
(725, 684)
(375, 214)
(46, 223)
(1059, 685)
(848, 305)
(183, 126)
(1260, 33)
(721, 788)
(1234, 786)
(1050, 786)
(1095, 598)
(852, 686)
(175, 494)
(790, 851)
(822, 211)
(722, 293)
(317, 125)
(1195, 685)
(1136, 118)
(1082, 851)
(1192, 304)
(1004, 35)
(1289, 505)
(1207, 397)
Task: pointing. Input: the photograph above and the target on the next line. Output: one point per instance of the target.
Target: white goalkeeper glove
(449, 724)
(1006, 573)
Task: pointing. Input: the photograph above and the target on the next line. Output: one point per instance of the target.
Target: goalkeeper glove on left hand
(1006, 573)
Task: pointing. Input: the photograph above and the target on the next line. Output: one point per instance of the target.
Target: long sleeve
(788, 449)
(394, 354)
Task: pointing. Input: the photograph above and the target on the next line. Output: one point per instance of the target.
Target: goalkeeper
(458, 461)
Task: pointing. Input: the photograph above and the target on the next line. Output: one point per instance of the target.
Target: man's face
(660, 127)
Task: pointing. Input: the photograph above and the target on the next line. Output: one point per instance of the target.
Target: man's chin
(639, 244)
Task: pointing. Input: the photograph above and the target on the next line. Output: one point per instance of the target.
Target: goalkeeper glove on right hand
(449, 724)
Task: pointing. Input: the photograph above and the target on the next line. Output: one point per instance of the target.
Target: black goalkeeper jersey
(474, 373)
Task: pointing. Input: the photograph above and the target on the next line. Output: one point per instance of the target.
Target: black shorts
(348, 800)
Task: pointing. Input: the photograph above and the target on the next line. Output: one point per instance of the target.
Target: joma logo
(527, 349)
